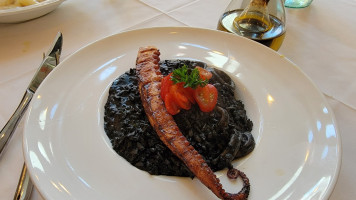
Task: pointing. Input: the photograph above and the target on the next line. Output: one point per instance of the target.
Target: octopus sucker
(149, 79)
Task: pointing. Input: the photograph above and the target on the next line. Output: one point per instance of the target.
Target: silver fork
(25, 186)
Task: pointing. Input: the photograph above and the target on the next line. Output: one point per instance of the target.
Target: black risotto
(219, 136)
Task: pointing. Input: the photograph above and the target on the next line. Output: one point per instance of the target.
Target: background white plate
(297, 155)
(20, 14)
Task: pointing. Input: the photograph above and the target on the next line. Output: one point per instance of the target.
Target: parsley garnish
(190, 77)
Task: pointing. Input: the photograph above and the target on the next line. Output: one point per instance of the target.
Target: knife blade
(49, 62)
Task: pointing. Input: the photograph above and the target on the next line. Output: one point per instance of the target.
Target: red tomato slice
(177, 97)
(189, 93)
(204, 74)
(166, 83)
(181, 100)
(206, 97)
(171, 105)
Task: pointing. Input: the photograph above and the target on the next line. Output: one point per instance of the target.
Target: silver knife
(49, 62)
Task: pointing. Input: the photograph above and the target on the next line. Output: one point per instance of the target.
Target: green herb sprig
(190, 77)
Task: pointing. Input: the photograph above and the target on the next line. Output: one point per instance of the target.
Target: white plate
(297, 155)
(20, 14)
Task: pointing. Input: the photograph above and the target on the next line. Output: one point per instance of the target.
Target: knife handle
(11, 125)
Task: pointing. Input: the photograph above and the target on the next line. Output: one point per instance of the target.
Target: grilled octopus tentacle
(149, 75)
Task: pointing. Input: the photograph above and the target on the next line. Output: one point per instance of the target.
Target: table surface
(319, 40)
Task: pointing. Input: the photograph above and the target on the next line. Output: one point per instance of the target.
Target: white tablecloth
(319, 39)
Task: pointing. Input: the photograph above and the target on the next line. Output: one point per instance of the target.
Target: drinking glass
(297, 3)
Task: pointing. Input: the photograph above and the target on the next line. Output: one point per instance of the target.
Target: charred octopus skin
(149, 75)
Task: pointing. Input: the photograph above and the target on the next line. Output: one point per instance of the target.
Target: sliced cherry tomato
(178, 92)
(189, 93)
(203, 73)
(166, 83)
(176, 97)
(206, 97)
(171, 105)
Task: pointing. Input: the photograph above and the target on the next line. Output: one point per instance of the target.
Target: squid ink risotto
(220, 136)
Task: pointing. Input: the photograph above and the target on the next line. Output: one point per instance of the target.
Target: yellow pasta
(4, 4)
(25, 2)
